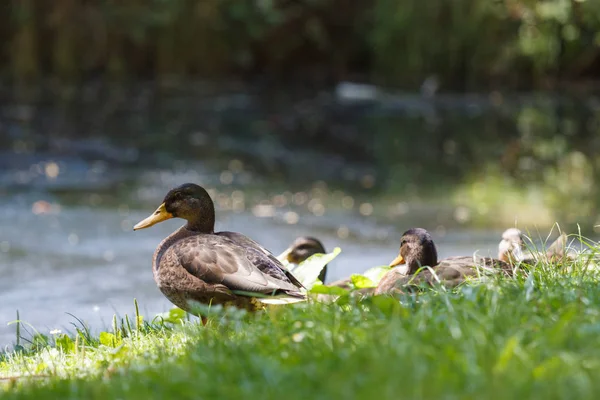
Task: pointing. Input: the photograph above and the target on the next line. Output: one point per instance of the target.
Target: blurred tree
(468, 44)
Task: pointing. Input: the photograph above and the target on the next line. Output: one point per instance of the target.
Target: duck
(304, 247)
(510, 249)
(197, 264)
(301, 249)
(417, 250)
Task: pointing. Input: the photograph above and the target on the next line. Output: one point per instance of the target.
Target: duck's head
(416, 250)
(302, 248)
(188, 201)
(510, 248)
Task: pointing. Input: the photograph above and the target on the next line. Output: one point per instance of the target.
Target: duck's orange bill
(161, 214)
(397, 261)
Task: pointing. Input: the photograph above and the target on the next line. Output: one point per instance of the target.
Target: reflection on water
(75, 178)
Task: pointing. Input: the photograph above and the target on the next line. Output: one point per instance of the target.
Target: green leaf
(370, 278)
(361, 281)
(39, 340)
(332, 290)
(308, 271)
(120, 352)
(108, 339)
(174, 316)
(41, 368)
(376, 273)
(343, 300)
(507, 354)
(65, 343)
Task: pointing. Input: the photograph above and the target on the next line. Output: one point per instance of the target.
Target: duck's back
(472, 265)
(264, 260)
(449, 272)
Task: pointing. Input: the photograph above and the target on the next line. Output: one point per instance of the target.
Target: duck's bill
(397, 261)
(161, 214)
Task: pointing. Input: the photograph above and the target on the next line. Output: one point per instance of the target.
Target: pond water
(74, 180)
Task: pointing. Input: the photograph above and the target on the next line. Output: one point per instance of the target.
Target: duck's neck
(179, 234)
(202, 220)
(201, 226)
(427, 256)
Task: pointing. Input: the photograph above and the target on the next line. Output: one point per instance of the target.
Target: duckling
(510, 249)
(418, 250)
(197, 264)
(301, 249)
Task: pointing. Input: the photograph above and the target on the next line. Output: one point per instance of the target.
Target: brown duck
(195, 263)
(302, 248)
(418, 250)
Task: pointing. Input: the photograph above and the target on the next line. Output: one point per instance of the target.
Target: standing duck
(418, 250)
(301, 249)
(197, 264)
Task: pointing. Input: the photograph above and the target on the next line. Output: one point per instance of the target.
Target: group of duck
(195, 264)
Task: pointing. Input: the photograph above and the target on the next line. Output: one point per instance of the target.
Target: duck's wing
(449, 272)
(219, 261)
(272, 266)
(475, 265)
(392, 281)
(447, 275)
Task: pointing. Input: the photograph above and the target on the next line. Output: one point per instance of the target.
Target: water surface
(74, 179)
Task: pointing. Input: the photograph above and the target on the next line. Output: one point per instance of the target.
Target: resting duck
(510, 249)
(195, 263)
(301, 249)
(418, 250)
(304, 247)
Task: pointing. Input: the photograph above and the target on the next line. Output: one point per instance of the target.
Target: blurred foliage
(467, 43)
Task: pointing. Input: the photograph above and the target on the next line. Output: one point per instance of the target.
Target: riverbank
(532, 336)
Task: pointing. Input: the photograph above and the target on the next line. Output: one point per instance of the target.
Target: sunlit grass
(532, 336)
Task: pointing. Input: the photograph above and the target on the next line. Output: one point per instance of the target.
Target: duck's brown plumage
(195, 263)
(418, 250)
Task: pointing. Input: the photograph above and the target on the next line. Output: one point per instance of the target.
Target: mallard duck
(511, 250)
(195, 263)
(304, 247)
(418, 250)
(301, 249)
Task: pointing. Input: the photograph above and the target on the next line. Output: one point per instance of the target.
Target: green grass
(533, 336)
